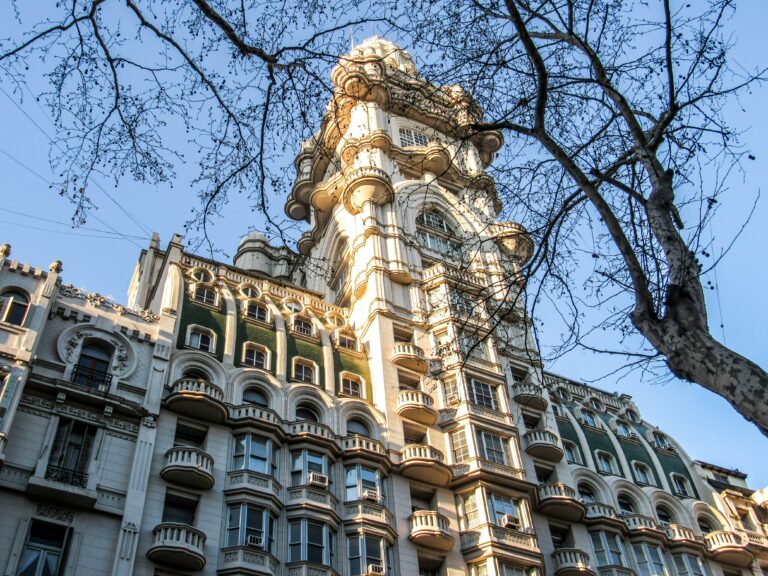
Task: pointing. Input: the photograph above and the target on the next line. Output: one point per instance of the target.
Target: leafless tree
(617, 145)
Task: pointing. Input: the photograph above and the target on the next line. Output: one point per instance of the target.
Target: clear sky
(34, 220)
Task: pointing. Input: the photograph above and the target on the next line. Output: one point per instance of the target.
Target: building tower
(372, 406)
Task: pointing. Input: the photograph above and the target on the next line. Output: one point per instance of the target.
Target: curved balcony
(530, 395)
(682, 536)
(301, 430)
(425, 464)
(188, 466)
(543, 444)
(177, 545)
(357, 446)
(639, 524)
(430, 529)
(560, 501)
(409, 356)
(599, 513)
(257, 415)
(729, 548)
(197, 398)
(572, 562)
(417, 406)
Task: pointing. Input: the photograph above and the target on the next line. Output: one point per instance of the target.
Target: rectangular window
(500, 506)
(310, 541)
(688, 565)
(483, 394)
(650, 559)
(71, 453)
(492, 447)
(43, 550)
(200, 340)
(361, 482)
(471, 345)
(460, 447)
(605, 463)
(253, 453)
(451, 391)
(303, 462)
(609, 550)
(681, 485)
(249, 525)
(302, 327)
(304, 373)
(256, 312)
(351, 387)
(409, 137)
(347, 342)
(471, 510)
(179, 509)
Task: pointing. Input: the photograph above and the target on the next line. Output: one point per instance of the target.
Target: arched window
(256, 311)
(680, 485)
(254, 395)
(304, 371)
(302, 325)
(307, 412)
(13, 307)
(201, 339)
(626, 505)
(586, 493)
(588, 418)
(196, 374)
(664, 515)
(605, 462)
(205, 294)
(351, 385)
(642, 473)
(255, 356)
(705, 525)
(357, 426)
(92, 368)
(435, 233)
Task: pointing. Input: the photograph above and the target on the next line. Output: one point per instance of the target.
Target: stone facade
(373, 404)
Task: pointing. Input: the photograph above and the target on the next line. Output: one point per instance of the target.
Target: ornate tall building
(373, 405)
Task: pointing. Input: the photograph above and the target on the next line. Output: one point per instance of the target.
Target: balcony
(599, 513)
(492, 417)
(530, 395)
(638, 524)
(680, 536)
(543, 444)
(425, 464)
(188, 466)
(250, 482)
(253, 414)
(572, 562)
(90, 378)
(365, 511)
(244, 560)
(309, 497)
(197, 398)
(430, 529)
(487, 535)
(357, 446)
(729, 548)
(417, 406)
(479, 468)
(560, 501)
(63, 485)
(409, 356)
(312, 432)
(177, 545)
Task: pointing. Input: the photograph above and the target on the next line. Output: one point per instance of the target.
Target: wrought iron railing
(91, 378)
(66, 476)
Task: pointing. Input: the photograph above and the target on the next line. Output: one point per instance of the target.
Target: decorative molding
(98, 301)
(55, 512)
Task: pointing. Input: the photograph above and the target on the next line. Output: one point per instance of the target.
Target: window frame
(481, 436)
(364, 557)
(268, 521)
(308, 328)
(301, 473)
(306, 364)
(602, 455)
(10, 306)
(487, 396)
(200, 331)
(574, 449)
(202, 292)
(248, 455)
(43, 550)
(326, 546)
(256, 349)
(610, 555)
(679, 481)
(637, 467)
(345, 376)
(358, 487)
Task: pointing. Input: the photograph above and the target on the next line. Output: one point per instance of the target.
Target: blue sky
(97, 259)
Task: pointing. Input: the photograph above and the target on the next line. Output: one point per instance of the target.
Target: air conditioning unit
(255, 541)
(317, 479)
(509, 521)
(377, 569)
(372, 495)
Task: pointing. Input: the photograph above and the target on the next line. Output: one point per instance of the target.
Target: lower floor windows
(251, 526)
(44, 549)
(254, 453)
(308, 466)
(310, 541)
(362, 483)
(368, 555)
(503, 510)
(71, 453)
(650, 559)
(609, 549)
(689, 565)
(492, 447)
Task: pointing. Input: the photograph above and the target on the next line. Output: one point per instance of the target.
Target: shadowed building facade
(371, 405)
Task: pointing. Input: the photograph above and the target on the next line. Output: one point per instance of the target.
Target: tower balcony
(560, 501)
(178, 545)
(572, 562)
(530, 395)
(417, 406)
(425, 464)
(430, 529)
(188, 466)
(409, 356)
(543, 444)
(729, 547)
(197, 398)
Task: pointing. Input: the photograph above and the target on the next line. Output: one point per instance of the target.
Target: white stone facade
(372, 405)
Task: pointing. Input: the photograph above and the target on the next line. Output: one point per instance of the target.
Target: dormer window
(680, 485)
(256, 356)
(302, 326)
(605, 462)
(205, 294)
(660, 442)
(346, 341)
(622, 429)
(256, 311)
(588, 418)
(351, 385)
(92, 368)
(303, 371)
(13, 307)
(201, 339)
(642, 473)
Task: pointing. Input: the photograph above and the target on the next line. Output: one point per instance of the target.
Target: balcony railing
(530, 395)
(178, 545)
(66, 476)
(409, 356)
(431, 529)
(571, 561)
(639, 522)
(90, 378)
(363, 445)
(675, 532)
(198, 398)
(543, 444)
(424, 463)
(480, 466)
(724, 539)
(188, 466)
